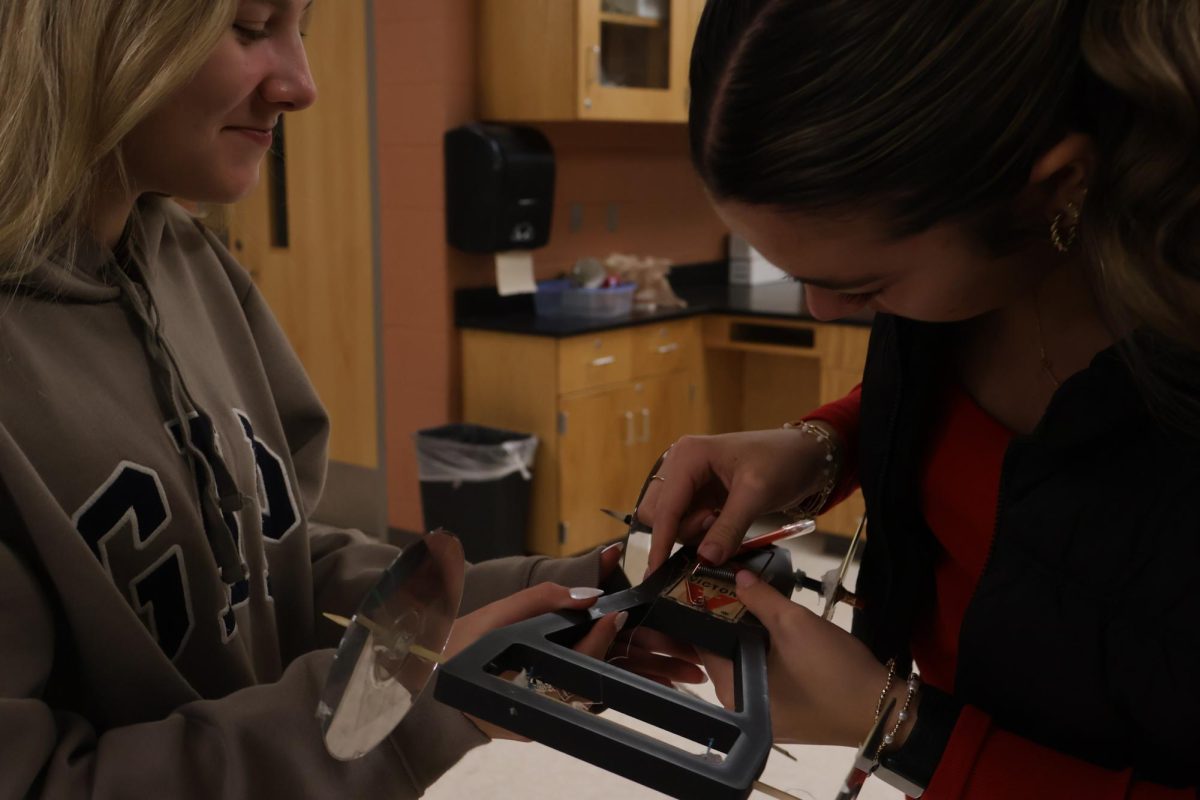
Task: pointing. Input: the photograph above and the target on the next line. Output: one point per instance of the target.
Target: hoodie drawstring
(219, 494)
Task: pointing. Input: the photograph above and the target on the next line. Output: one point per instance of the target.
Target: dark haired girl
(1014, 187)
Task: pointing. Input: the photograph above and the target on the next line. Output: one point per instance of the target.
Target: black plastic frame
(472, 682)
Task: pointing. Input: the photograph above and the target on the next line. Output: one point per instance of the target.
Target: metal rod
(771, 791)
(786, 532)
(423, 653)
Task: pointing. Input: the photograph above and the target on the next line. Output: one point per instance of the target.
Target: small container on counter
(560, 298)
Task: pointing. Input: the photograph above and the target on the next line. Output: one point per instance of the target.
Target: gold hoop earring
(1063, 237)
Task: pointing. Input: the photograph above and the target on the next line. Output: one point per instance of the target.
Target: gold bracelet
(887, 687)
(914, 683)
(814, 504)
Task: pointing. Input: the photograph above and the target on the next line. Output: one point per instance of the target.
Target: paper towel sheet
(514, 273)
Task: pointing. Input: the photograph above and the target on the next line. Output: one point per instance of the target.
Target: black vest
(1084, 632)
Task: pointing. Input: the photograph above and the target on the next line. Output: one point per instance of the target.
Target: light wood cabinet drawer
(595, 360)
(666, 347)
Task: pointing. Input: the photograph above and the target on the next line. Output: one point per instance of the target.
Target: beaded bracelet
(814, 504)
(887, 687)
(914, 684)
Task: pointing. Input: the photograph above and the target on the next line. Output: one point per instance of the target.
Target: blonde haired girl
(161, 450)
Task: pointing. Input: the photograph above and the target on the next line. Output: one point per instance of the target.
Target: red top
(960, 489)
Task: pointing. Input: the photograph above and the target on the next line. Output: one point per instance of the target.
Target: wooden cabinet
(585, 362)
(557, 60)
(762, 372)
(603, 407)
(608, 439)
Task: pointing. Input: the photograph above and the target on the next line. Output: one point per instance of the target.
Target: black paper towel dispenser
(499, 188)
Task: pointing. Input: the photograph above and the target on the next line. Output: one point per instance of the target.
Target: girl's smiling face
(206, 141)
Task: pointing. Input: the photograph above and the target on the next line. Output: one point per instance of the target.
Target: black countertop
(704, 286)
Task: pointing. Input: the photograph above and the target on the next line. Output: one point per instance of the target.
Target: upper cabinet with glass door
(620, 60)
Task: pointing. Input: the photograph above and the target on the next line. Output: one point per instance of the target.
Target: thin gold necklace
(1037, 315)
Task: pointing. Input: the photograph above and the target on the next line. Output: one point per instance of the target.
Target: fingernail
(746, 578)
(708, 522)
(620, 621)
(614, 546)
(585, 593)
(712, 553)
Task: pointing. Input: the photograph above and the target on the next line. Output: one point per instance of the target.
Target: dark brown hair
(929, 110)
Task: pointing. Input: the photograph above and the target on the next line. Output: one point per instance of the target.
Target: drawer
(662, 348)
(585, 362)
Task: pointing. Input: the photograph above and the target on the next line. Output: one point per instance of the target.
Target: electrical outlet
(613, 217)
(575, 218)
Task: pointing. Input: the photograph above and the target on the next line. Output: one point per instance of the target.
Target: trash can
(475, 483)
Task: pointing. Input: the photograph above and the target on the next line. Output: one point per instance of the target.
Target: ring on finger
(657, 477)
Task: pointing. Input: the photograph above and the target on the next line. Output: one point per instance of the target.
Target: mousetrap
(679, 599)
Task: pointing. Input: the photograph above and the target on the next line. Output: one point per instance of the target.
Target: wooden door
(598, 439)
(666, 408)
(305, 234)
(633, 68)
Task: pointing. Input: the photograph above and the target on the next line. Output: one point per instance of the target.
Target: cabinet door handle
(629, 440)
(645, 425)
(594, 67)
(663, 349)
(604, 361)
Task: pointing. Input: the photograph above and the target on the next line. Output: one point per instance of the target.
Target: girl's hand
(643, 651)
(657, 656)
(824, 683)
(716, 486)
(532, 602)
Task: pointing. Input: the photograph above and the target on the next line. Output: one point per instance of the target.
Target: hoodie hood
(85, 277)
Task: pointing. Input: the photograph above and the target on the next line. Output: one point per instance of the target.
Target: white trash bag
(472, 453)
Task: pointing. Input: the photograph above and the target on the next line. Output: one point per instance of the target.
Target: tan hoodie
(160, 591)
